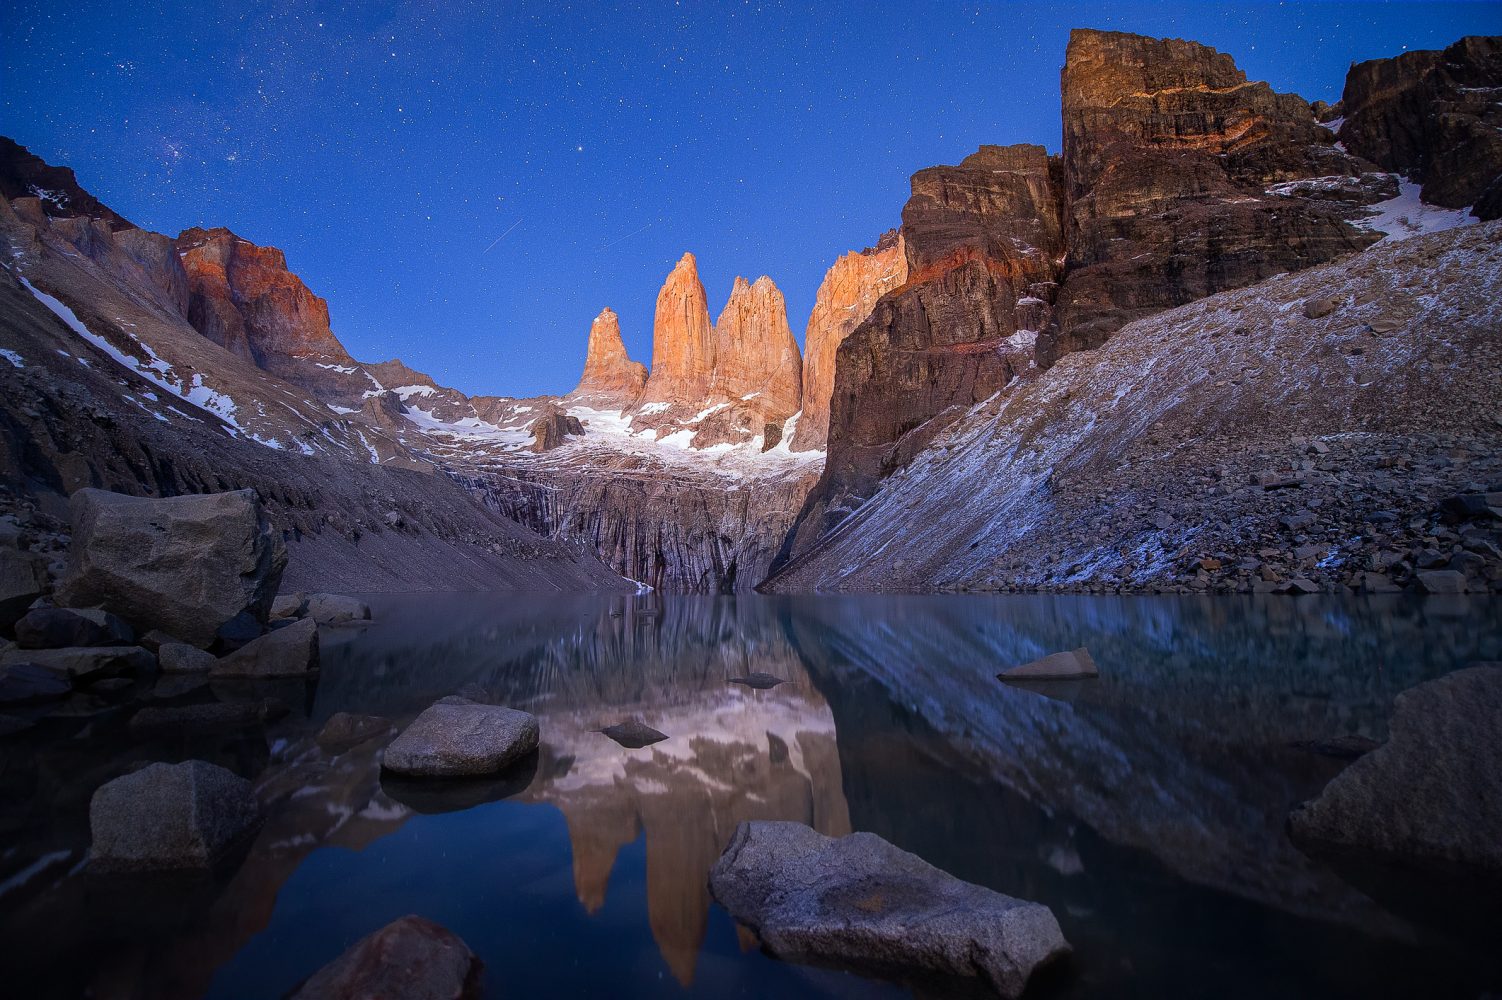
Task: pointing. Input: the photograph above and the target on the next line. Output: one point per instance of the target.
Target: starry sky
(469, 183)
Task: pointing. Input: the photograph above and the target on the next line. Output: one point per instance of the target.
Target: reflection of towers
(734, 755)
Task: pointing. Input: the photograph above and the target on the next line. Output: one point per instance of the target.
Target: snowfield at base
(1406, 216)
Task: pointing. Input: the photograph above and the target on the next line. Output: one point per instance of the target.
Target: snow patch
(1406, 216)
(13, 358)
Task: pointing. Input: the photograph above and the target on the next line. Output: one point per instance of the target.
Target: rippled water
(1146, 808)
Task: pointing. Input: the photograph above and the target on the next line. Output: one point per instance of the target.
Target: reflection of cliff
(732, 755)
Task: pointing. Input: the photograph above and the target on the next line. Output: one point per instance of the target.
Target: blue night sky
(468, 184)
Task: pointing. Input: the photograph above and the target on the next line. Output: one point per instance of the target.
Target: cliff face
(1435, 116)
(611, 379)
(755, 353)
(1169, 152)
(683, 354)
(845, 298)
(243, 298)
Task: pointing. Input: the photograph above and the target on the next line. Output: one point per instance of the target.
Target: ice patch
(13, 358)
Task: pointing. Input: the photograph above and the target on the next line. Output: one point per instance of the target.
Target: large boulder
(85, 663)
(170, 816)
(185, 565)
(285, 652)
(23, 578)
(336, 609)
(457, 738)
(182, 658)
(860, 902)
(1430, 796)
(411, 958)
(54, 628)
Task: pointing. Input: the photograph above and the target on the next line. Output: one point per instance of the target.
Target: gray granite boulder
(1070, 665)
(285, 652)
(411, 958)
(170, 816)
(181, 658)
(861, 903)
(457, 738)
(185, 565)
(1432, 794)
(54, 628)
(337, 609)
(85, 662)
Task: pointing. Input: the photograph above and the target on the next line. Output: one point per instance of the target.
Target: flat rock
(758, 680)
(285, 652)
(346, 729)
(336, 609)
(411, 958)
(1442, 581)
(185, 565)
(456, 738)
(27, 683)
(181, 658)
(1432, 794)
(860, 902)
(633, 734)
(1070, 665)
(170, 816)
(54, 628)
(85, 662)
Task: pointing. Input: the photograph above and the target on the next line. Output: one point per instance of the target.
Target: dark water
(1146, 808)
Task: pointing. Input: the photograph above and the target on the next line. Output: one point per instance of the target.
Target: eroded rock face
(23, 175)
(611, 380)
(1435, 116)
(243, 298)
(845, 298)
(755, 353)
(859, 901)
(683, 355)
(185, 565)
(1432, 795)
(1169, 152)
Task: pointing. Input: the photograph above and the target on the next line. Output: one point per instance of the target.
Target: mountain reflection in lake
(1146, 808)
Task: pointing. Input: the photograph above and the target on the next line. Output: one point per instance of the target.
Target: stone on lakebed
(411, 958)
(1070, 665)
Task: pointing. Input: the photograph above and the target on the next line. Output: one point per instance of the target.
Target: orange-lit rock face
(683, 354)
(610, 376)
(846, 296)
(243, 298)
(755, 353)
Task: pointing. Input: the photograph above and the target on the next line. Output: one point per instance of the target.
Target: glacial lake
(1147, 807)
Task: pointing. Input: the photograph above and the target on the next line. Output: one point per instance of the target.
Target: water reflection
(1147, 807)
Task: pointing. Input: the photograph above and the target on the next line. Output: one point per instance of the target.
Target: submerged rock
(411, 958)
(85, 662)
(758, 680)
(54, 628)
(456, 738)
(170, 816)
(25, 683)
(860, 902)
(184, 564)
(633, 734)
(213, 717)
(1071, 665)
(344, 730)
(1431, 795)
(286, 652)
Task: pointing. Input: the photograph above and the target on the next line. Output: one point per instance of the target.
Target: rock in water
(758, 680)
(25, 683)
(85, 662)
(181, 658)
(457, 738)
(23, 578)
(54, 628)
(345, 730)
(336, 609)
(185, 565)
(169, 816)
(860, 902)
(1432, 795)
(286, 652)
(633, 734)
(1071, 665)
(410, 959)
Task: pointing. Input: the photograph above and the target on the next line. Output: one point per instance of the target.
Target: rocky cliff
(610, 379)
(683, 354)
(845, 298)
(1434, 116)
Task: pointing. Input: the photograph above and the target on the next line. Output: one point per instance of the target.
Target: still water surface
(1146, 808)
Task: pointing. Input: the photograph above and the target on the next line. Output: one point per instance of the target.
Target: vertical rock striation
(683, 349)
(845, 298)
(755, 353)
(1435, 116)
(611, 379)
